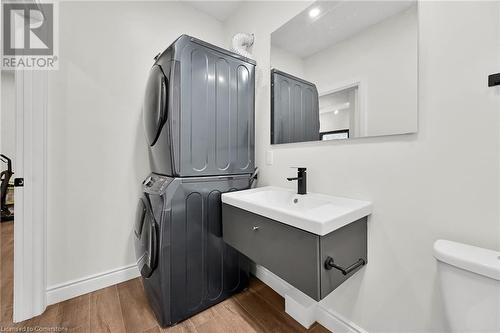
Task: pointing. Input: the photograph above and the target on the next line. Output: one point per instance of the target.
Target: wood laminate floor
(124, 308)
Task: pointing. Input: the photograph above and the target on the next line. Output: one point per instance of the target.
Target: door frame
(30, 257)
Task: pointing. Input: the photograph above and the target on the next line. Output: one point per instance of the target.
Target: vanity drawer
(290, 253)
(295, 255)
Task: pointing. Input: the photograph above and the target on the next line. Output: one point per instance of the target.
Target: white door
(30, 199)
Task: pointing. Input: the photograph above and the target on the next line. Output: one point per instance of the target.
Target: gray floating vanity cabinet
(295, 255)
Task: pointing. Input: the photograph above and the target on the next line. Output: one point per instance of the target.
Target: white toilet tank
(470, 283)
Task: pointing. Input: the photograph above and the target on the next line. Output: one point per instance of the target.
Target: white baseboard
(275, 282)
(74, 288)
(329, 319)
(335, 322)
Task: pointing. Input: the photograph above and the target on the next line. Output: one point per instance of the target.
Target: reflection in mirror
(295, 116)
(338, 114)
(345, 69)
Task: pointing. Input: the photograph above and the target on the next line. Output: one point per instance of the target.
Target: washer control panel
(156, 183)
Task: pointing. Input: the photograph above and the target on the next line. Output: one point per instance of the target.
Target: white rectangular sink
(319, 214)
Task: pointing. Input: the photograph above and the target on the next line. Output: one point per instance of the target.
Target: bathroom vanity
(314, 242)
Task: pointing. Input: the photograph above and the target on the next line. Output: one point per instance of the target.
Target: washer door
(155, 104)
(146, 238)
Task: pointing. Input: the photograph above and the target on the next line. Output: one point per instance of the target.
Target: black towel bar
(329, 264)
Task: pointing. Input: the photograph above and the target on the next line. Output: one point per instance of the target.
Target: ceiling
(221, 10)
(337, 21)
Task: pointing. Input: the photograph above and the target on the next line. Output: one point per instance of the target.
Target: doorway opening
(339, 114)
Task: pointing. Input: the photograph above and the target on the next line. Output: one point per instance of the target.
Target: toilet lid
(471, 258)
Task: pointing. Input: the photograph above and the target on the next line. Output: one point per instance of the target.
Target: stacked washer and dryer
(199, 121)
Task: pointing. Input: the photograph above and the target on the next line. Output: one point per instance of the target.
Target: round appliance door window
(146, 239)
(155, 103)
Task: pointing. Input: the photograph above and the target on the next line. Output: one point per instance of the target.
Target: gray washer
(185, 264)
(199, 111)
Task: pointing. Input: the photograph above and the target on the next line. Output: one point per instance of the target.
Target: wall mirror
(345, 69)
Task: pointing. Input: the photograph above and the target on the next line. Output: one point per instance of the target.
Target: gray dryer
(294, 109)
(199, 111)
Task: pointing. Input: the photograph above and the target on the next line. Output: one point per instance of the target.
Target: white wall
(97, 153)
(7, 117)
(384, 59)
(330, 121)
(440, 183)
(287, 62)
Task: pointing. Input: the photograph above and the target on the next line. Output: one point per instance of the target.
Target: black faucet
(301, 180)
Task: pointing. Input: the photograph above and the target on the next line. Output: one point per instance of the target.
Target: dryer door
(155, 104)
(146, 238)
